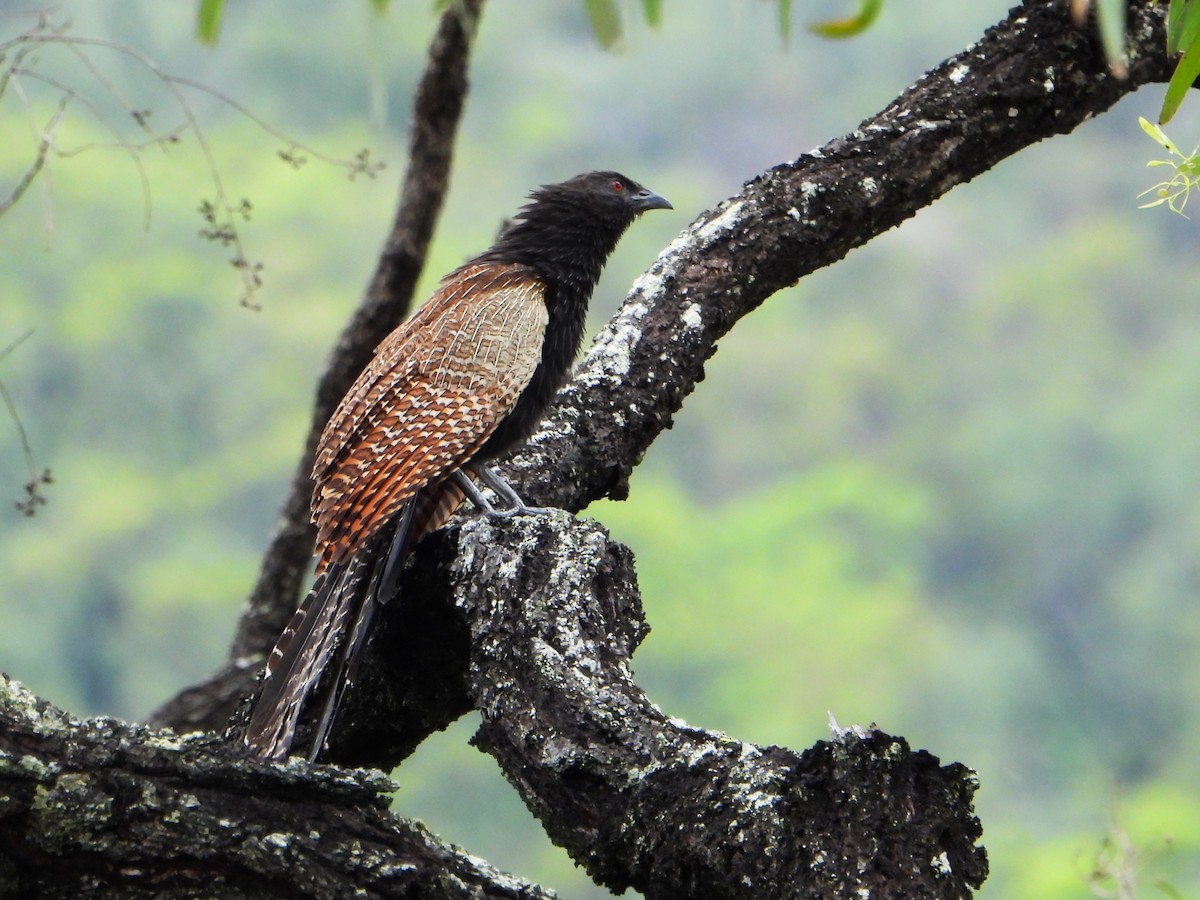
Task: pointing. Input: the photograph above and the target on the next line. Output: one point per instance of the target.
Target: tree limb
(105, 809)
(437, 109)
(645, 801)
(1033, 75)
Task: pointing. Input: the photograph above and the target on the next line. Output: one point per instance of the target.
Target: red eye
(618, 186)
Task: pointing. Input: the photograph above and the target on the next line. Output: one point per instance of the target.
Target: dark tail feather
(382, 587)
(343, 602)
(300, 656)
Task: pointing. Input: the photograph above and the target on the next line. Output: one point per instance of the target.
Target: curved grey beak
(645, 199)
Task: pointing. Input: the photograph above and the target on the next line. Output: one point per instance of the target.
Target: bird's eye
(618, 185)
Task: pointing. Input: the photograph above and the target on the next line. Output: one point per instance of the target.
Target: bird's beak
(645, 199)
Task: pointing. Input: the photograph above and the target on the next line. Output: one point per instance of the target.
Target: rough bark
(646, 801)
(533, 621)
(106, 809)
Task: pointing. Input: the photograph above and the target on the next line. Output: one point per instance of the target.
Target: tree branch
(101, 808)
(1034, 75)
(539, 619)
(437, 109)
(645, 801)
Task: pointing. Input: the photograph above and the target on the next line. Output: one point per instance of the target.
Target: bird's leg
(513, 504)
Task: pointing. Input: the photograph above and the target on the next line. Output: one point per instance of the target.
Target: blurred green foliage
(948, 486)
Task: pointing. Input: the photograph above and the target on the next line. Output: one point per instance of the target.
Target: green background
(948, 486)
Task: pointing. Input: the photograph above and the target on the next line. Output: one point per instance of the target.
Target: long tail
(338, 611)
(300, 657)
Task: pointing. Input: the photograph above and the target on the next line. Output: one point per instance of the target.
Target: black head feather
(574, 224)
(565, 234)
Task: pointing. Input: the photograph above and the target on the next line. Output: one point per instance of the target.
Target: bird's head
(575, 224)
(606, 194)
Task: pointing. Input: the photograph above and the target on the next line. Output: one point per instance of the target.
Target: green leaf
(606, 22)
(1174, 14)
(1181, 81)
(1183, 25)
(785, 17)
(653, 11)
(380, 6)
(208, 20)
(1158, 136)
(868, 11)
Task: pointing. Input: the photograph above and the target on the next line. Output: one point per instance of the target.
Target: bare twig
(45, 144)
(223, 212)
(33, 495)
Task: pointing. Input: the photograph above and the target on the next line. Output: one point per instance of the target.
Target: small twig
(221, 214)
(33, 495)
(27, 179)
(132, 150)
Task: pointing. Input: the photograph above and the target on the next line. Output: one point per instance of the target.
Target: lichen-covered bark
(1032, 76)
(646, 801)
(106, 809)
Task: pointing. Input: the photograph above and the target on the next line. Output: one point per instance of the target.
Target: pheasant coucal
(459, 383)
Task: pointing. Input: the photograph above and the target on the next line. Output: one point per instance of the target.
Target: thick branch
(437, 109)
(1032, 76)
(100, 808)
(543, 615)
(645, 801)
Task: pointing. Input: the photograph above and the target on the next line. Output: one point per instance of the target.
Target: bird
(450, 389)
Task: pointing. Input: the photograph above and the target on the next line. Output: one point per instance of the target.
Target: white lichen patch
(869, 185)
(838, 733)
(651, 281)
(164, 740)
(395, 870)
(36, 768)
(619, 341)
(959, 72)
(557, 750)
(749, 753)
(692, 317)
(726, 220)
(793, 213)
(278, 840)
(1012, 112)
(810, 189)
(941, 864)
